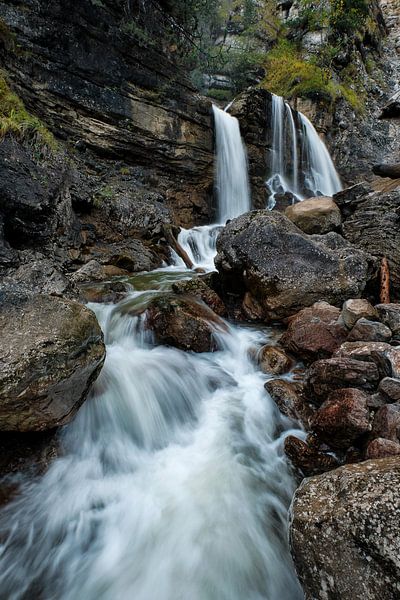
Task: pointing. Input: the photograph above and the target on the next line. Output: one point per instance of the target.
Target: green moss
(289, 75)
(15, 119)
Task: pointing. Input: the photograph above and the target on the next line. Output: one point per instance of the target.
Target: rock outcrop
(344, 532)
(284, 269)
(51, 352)
(371, 222)
(102, 77)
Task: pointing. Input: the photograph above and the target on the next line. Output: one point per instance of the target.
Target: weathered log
(175, 245)
(392, 171)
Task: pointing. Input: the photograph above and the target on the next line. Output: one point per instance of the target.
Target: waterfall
(300, 161)
(321, 177)
(231, 177)
(172, 482)
(284, 163)
(232, 190)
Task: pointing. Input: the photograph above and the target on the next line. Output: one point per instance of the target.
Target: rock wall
(89, 71)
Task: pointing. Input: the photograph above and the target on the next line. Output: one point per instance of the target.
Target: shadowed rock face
(51, 352)
(371, 222)
(344, 532)
(96, 82)
(285, 269)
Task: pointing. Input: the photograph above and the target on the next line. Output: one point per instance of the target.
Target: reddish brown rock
(390, 387)
(198, 288)
(342, 418)
(330, 374)
(290, 400)
(385, 356)
(386, 423)
(314, 332)
(273, 360)
(369, 331)
(184, 323)
(308, 459)
(380, 448)
(357, 308)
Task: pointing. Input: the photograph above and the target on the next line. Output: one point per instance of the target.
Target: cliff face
(92, 71)
(369, 63)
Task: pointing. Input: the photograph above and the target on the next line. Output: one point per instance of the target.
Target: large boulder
(183, 322)
(345, 532)
(285, 269)
(314, 332)
(315, 215)
(51, 352)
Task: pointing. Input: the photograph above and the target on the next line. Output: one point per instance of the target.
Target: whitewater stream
(172, 483)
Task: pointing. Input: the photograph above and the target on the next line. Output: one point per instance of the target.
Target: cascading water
(231, 186)
(284, 164)
(300, 161)
(173, 483)
(321, 177)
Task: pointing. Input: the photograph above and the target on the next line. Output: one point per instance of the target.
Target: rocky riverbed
(293, 341)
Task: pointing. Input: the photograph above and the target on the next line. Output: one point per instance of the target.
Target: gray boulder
(286, 269)
(51, 351)
(345, 532)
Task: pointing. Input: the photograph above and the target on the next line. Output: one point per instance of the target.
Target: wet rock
(386, 423)
(251, 308)
(131, 255)
(290, 400)
(369, 331)
(330, 374)
(51, 353)
(285, 395)
(385, 356)
(357, 308)
(390, 316)
(107, 293)
(315, 215)
(344, 532)
(284, 269)
(184, 323)
(198, 287)
(308, 460)
(390, 387)
(314, 332)
(381, 448)
(273, 360)
(342, 418)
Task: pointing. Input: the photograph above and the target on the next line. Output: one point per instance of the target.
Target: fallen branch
(175, 245)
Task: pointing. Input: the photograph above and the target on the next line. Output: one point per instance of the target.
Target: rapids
(172, 483)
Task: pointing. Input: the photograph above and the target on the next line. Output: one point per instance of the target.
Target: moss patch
(290, 76)
(15, 119)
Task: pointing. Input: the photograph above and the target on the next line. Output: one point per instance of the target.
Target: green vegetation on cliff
(15, 119)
